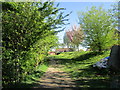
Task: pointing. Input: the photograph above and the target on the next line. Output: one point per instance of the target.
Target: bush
(28, 34)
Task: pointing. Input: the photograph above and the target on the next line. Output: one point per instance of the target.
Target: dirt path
(55, 78)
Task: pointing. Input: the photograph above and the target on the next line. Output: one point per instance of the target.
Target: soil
(55, 77)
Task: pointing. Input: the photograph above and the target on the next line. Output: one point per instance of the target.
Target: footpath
(55, 77)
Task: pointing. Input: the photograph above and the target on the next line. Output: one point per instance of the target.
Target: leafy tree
(78, 36)
(115, 13)
(66, 41)
(29, 31)
(74, 37)
(98, 27)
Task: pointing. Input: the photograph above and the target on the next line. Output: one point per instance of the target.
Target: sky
(76, 7)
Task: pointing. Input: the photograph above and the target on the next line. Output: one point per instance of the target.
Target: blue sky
(76, 7)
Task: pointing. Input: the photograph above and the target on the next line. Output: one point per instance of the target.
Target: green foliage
(115, 13)
(74, 37)
(99, 29)
(66, 40)
(78, 36)
(28, 33)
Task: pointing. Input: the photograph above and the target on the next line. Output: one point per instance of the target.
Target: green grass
(67, 55)
(84, 61)
(40, 70)
(31, 79)
(79, 66)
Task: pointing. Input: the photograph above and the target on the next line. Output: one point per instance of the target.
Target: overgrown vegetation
(31, 79)
(79, 66)
(28, 33)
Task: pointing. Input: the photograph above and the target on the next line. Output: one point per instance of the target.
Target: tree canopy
(98, 28)
(74, 36)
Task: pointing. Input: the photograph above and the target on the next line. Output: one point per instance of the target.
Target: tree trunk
(118, 38)
(100, 49)
(78, 47)
(114, 61)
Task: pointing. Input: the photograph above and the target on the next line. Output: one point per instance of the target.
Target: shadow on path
(55, 78)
